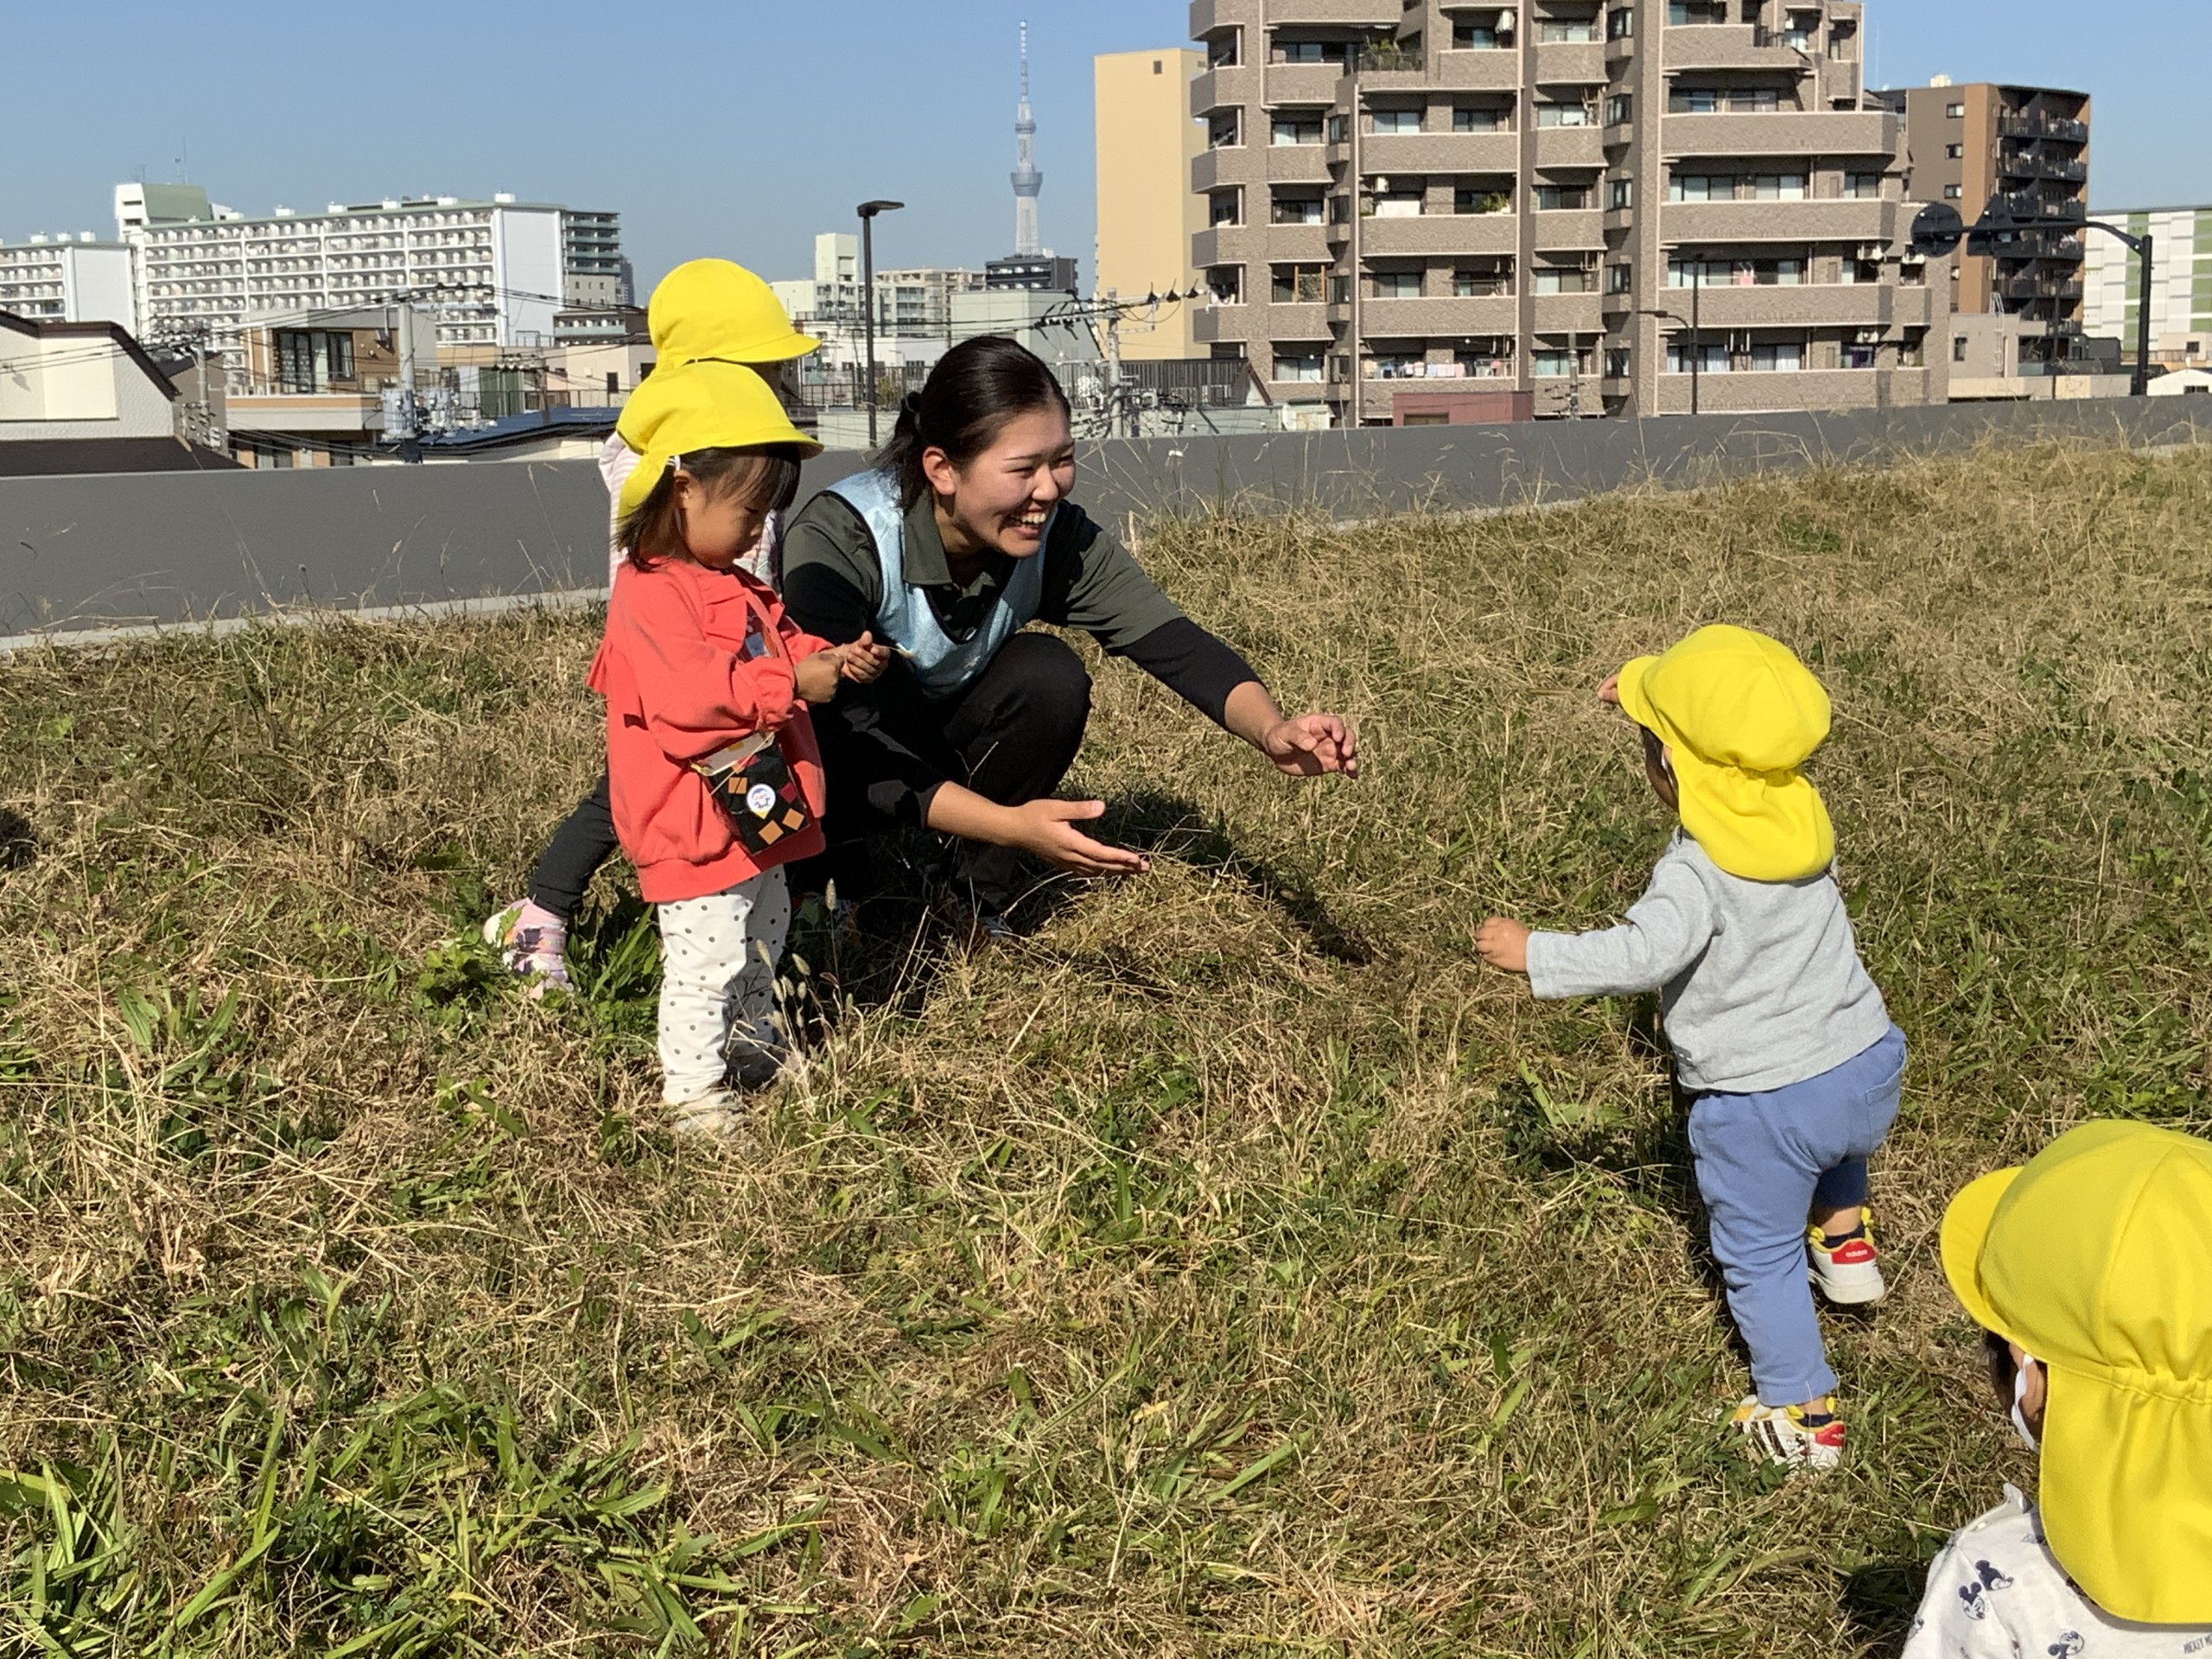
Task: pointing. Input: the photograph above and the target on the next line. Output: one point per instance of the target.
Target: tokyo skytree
(1027, 180)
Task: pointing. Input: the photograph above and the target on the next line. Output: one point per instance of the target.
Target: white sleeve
(1957, 1619)
(1666, 930)
(617, 460)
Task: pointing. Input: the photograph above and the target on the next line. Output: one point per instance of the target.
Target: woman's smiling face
(1001, 501)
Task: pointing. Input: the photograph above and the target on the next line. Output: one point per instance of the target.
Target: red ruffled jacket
(678, 686)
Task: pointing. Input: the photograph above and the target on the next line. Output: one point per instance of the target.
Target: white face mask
(2019, 1401)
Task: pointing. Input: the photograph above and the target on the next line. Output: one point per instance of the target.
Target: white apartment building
(2181, 283)
(66, 279)
(915, 301)
(489, 274)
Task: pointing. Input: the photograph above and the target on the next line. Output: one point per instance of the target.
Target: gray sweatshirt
(1760, 981)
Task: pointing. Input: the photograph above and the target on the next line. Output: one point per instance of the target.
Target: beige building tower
(1148, 213)
(1422, 211)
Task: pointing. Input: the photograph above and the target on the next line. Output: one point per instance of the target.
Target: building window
(1860, 354)
(1481, 284)
(1224, 51)
(1952, 193)
(1297, 284)
(1860, 273)
(1565, 279)
(1224, 131)
(1620, 23)
(1394, 121)
(1956, 112)
(1401, 202)
(1575, 31)
(1619, 108)
(1843, 43)
(1566, 115)
(1471, 118)
(1394, 285)
(1300, 209)
(1957, 348)
(337, 350)
(1481, 199)
(1712, 100)
(1310, 51)
(1913, 353)
(1550, 364)
(1766, 271)
(1617, 278)
(1225, 208)
(1617, 361)
(1561, 198)
(1778, 357)
(1296, 127)
(1339, 130)
(1486, 358)
(1478, 38)
(1956, 152)
(1226, 284)
(1339, 289)
(1620, 193)
(1862, 187)
(1710, 359)
(1298, 362)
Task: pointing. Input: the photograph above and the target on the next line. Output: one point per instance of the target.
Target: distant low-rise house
(67, 380)
(314, 387)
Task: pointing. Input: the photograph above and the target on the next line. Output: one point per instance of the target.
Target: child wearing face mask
(1779, 1036)
(698, 658)
(2090, 1273)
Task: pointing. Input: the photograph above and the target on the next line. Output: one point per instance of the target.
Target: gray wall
(102, 552)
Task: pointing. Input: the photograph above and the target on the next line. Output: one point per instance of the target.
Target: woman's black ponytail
(974, 389)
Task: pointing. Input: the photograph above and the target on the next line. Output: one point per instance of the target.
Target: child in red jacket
(699, 657)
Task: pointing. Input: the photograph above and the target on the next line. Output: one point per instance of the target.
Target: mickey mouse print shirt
(1997, 1592)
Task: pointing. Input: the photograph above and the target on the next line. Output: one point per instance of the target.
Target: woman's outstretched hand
(1047, 828)
(1309, 746)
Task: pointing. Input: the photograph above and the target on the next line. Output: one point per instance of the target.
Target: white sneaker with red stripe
(1848, 1269)
(1796, 1437)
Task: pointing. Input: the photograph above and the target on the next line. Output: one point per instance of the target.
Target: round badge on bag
(760, 800)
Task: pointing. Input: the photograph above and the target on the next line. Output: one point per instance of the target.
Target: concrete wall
(88, 553)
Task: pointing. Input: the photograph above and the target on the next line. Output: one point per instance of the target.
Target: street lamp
(1697, 351)
(869, 210)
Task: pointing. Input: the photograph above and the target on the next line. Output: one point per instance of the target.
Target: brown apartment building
(1493, 200)
(2027, 148)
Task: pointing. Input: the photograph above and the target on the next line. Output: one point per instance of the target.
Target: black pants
(1010, 736)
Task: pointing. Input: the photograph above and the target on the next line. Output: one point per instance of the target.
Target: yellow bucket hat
(2095, 1257)
(699, 406)
(710, 308)
(1740, 714)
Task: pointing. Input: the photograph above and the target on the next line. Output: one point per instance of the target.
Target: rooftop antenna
(1027, 180)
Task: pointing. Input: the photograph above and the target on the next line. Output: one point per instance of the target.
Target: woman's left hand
(1307, 746)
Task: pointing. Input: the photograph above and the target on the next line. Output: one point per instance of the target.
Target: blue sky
(741, 128)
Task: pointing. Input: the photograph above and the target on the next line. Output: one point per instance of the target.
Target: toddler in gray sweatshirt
(1779, 1035)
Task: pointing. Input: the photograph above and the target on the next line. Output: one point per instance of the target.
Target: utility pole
(1113, 418)
(403, 331)
(869, 210)
(1697, 345)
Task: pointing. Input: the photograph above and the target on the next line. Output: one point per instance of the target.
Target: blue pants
(1764, 1161)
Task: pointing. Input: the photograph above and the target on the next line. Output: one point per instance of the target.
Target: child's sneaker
(1848, 1269)
(712, 1116)
(533, 942)
(1790, 1435)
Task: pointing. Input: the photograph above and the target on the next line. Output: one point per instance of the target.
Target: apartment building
(489, 274)
(912, 301)
(1147, 214)
(2180, 284)
(2026, 149)
(1441, 212)
(66, 279)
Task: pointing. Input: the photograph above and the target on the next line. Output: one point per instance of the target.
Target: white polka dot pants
(718, 957)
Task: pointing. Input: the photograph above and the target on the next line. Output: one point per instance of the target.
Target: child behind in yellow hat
(2090, 1274)
(1778, 1034)
(704, 311)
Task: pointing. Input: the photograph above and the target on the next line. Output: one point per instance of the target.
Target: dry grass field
(1233, 1267)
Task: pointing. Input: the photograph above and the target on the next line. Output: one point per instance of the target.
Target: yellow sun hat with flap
(706, 405)
(1740, 714)
(712, 309)
(2096, 1256)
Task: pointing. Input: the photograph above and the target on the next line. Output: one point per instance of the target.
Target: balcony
(1498, 233)
(1569, 63)
(1233, 164)
(1783, 132)
(1565, 313)
(1307, 84)
(2042, 166)
(1477, 71)
(1225, 88)
(1371, 14)
(1439, 152)
(1301, 244)
(1570, 147)
(1297, 164)
(1391, 65)
(1567, 230)
(1288, 321)
(1727, 46)
(1803, 305)
(2037, 126)
(1685, 223)
(1437, 316)
(2038, 288)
